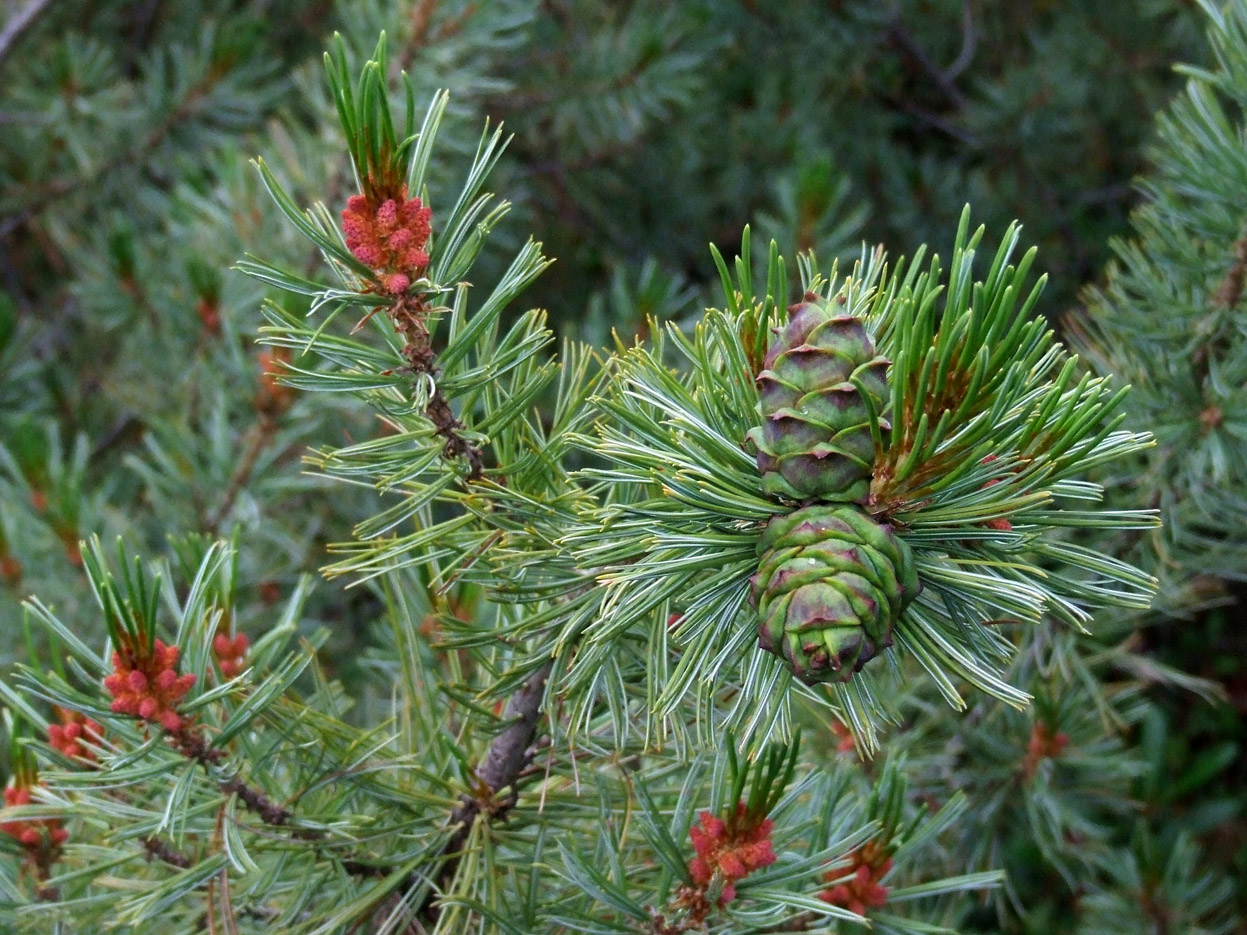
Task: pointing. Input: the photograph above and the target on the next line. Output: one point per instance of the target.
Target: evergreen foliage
(549, 686)
(1168, 318)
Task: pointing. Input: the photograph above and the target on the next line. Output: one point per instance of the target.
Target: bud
(10, 569)
(43, 835)
(389, 237)
(73, 733)
(869, 864)
(272, 396)
(1043, 744)
(230, 652)
(845, 742)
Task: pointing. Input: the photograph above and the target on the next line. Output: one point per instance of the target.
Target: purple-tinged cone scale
(814, 442)
(830, 586)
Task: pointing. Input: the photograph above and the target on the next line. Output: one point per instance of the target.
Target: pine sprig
(331, 799)
(1168, 318)
(493, 377)
(990, 425)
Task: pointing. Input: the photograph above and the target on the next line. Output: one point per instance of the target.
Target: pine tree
(583, 616)
(770, 619)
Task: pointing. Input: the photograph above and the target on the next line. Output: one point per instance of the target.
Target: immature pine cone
(831, 583)
(814, 442)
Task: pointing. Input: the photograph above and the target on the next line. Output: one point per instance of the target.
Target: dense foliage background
(133, 399)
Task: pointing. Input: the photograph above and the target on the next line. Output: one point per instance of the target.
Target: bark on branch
(509, 754)
(409, 316)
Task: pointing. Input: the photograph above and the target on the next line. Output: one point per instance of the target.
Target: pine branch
(508, 756)
(258, 438)
(162, 850)
(195, 746)
(38, 198)
(410, 315)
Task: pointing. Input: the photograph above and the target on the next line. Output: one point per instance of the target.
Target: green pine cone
(815, 441)
(831, 583)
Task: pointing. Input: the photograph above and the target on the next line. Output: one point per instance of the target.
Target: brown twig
(942, 78)
(194, 745)
(42, 862)
(508, 755)
(1231, 288)
(225, 903)
(421, 24)
(257, 439)
(164, 851)
(969, 40)
(410, 315)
